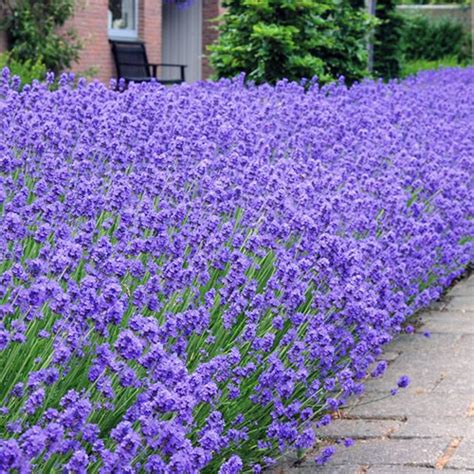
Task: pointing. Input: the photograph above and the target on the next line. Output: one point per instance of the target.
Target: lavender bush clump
(191, 276)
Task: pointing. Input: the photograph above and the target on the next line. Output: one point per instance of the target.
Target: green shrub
(34, 33)
(434, 40)
(274, 39)
(410, 68)
(388, 52)
(27, 70)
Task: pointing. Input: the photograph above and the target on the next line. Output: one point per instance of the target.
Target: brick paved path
(429, 426)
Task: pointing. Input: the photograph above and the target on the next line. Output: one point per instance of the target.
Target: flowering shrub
(190, 276)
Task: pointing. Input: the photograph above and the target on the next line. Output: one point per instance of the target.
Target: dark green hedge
(433, 40)
(388, 51)
(275, 39)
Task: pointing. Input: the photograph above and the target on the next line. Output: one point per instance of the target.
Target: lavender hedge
(191, 276)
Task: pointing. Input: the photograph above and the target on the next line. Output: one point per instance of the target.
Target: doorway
(182, 38)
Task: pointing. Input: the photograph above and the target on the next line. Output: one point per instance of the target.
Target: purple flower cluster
(191, 276)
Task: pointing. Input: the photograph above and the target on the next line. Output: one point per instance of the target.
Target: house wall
(181, 40)
(210, 10)
(149, 15)
(90, 23)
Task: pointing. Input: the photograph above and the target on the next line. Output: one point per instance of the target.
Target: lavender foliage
(191, 276)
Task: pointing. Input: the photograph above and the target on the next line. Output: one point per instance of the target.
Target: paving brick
(418, 344)
(454, 322)
(404, 452)
(410, 470)
(459, 381)
(465, 346)
(313, 468)
(429, 367)
(413, 404)
(285, 463)
(440, 305)
(463, 288)
(310, 468)
(424, 376)
(432, 358)
(463, 457)
(358, 429)
(388, 356)
(435, 427)
(461, 302)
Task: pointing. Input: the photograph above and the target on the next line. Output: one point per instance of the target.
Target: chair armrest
(167, 65)
(155, 66)
(154, 69)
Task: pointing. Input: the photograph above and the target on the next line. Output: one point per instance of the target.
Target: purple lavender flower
(78, 462)
(34, 401)
(155, 464)
(326, 454)
(403, 381)
(348, 442)
(4, 339)
(33, 442)
(192, 272)
(11, 456)
(379, 369)
(233, 465)
(128, 345)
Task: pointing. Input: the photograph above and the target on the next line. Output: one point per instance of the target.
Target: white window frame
(119, 33)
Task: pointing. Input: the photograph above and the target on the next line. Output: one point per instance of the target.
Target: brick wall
(210, 10)
(150, 28)
(90, 22)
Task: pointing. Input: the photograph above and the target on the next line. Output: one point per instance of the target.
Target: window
(123, 19)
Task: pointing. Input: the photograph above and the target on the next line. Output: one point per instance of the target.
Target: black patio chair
(132, 63)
